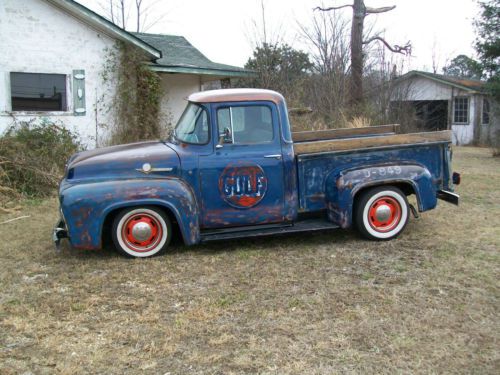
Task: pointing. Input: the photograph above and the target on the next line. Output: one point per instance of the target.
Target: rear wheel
(381, 213)
(141, 232)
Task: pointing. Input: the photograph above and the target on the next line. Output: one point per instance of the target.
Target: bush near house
(32, 157)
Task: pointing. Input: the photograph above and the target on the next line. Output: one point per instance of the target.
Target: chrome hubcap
(141, 231)
(383, 213)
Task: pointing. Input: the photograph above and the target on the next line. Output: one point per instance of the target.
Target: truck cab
(233, 169)
(235, 152)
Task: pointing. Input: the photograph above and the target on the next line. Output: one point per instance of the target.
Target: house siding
(39, 38)
(176, 88)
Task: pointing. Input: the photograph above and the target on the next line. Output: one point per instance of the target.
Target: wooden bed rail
(306, 136)
(333, 145)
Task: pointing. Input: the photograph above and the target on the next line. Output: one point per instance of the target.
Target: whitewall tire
(141, 232)
(381, 213)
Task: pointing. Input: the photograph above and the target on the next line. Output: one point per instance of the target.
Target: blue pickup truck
(233, 168)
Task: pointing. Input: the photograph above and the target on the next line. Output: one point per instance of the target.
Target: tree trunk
(359, 12)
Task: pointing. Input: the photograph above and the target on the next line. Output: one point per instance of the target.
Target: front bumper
(59, 233)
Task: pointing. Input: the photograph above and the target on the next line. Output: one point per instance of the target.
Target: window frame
(485, 100)
(206, 110)
(243, 104)
(68, 96)
(455, 109)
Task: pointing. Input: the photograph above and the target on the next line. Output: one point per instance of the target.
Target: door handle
(273, 156)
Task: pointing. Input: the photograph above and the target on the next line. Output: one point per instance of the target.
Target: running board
(268, 230)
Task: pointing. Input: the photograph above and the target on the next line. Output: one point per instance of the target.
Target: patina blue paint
(331, 180)
(206, 187)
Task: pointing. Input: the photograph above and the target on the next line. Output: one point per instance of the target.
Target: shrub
(33, 155)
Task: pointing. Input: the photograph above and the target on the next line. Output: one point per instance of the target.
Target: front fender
(342, 187)
(86, 206)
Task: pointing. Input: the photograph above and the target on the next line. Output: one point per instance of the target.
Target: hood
(123, 161)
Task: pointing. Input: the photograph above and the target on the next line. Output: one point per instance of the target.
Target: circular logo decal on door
(242, 185)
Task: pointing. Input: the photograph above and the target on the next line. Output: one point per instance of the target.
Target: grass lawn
(427, 302)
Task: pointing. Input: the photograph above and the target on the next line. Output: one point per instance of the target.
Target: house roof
(467, 84)
(180, 56)
(168, 53)
(100, 23)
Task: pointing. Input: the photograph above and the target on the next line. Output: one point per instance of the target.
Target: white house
(445, 102)
(52, 53)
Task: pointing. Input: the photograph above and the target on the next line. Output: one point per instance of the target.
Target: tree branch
(379, 10)
(332, 8)
(404, 50)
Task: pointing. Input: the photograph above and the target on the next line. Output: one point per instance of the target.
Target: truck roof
(235, 95)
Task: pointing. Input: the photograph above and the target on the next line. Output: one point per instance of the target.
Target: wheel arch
(344, 187)
(408, 187)
(168, 208)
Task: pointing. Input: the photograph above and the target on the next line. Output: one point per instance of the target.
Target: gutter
(202, 71)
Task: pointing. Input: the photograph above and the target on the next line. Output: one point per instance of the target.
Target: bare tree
(138, 6)
(259, 32)
(120, 11)
(328, 42)
(360, 11)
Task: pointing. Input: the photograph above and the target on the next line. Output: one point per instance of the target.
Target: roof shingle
(177, 52)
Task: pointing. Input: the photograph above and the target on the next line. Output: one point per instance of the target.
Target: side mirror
(225, 137)
(220, 142)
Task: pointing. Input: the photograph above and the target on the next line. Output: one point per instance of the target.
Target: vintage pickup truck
(233, 168)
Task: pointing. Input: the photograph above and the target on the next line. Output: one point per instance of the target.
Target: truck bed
(332, 141)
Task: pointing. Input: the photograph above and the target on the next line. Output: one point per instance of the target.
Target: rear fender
(86, 206)
(341, 187)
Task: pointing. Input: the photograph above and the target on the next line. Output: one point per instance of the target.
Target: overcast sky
(223, 29)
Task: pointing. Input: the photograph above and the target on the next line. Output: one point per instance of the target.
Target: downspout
(450, 108)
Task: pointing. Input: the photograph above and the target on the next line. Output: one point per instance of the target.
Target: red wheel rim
(142, 232)
(384, 214)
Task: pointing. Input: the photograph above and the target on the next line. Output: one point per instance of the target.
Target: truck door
(242, 180)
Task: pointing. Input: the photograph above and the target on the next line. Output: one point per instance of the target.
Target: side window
(193, 125)
(245, 124)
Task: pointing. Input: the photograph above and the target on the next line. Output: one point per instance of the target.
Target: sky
(224, 30)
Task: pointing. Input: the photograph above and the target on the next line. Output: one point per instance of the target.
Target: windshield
(193, 125)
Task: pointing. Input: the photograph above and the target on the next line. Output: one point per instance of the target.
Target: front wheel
(141, 232)
(381, 213)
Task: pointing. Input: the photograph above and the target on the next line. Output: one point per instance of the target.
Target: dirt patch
(305, 304)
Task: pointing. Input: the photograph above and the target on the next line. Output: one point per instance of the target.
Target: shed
(446, 102)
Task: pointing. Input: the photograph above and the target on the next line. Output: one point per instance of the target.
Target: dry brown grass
(427, 302)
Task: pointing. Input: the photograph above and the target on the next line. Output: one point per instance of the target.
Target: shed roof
(180, 56)
(467, 84)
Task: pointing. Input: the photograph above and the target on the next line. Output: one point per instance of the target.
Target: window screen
(38, 92)
(461, 111)
(245, 124)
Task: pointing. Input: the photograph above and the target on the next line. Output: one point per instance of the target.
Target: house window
(485, 117)
(461, 111)
(38, 92)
